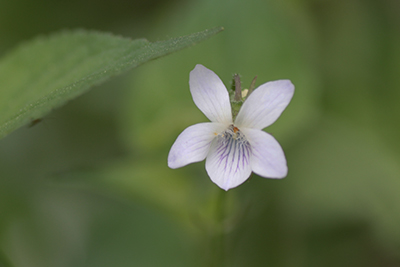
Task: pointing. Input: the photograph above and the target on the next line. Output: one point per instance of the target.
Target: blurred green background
(89, 185)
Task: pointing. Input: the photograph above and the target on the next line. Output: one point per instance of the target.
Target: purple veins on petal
(228, 163)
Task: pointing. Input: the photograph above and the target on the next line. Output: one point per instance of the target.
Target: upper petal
(228, 163)
(193, 144)
(268, 159)
(210, 94)
(265, 104)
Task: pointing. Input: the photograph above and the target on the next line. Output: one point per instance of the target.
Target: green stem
(218, 233)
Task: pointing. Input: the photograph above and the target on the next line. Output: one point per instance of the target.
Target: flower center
(233, 132)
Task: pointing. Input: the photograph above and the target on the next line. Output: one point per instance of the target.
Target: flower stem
(218, 242)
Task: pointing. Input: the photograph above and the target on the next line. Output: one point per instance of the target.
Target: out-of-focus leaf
(152, 183)
(4, 261)
(188, 200)
(360, 60)
(45, 73)
(343, 173)
(67, 227)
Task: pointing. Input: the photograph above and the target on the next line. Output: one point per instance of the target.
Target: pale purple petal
(210, 95)
(193, 144)
(268, 159)
(265, 104)
(228, 163)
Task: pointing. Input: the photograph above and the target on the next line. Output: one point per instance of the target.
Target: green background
(89, 185)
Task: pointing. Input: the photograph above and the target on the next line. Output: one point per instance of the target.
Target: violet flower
(233, 147)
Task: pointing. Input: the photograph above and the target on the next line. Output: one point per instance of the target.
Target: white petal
(228, 163)
(210, 94)
(193, 144)
(268, 159)
(265, 104)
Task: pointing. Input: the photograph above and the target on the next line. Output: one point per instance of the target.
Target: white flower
(233, 149)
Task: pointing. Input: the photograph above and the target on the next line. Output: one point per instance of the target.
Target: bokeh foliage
(89, 185)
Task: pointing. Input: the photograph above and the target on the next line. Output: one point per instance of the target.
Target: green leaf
(45, 73)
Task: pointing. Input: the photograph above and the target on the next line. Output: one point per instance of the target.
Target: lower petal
(228, 162)
(193, 144)
(268, 159)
